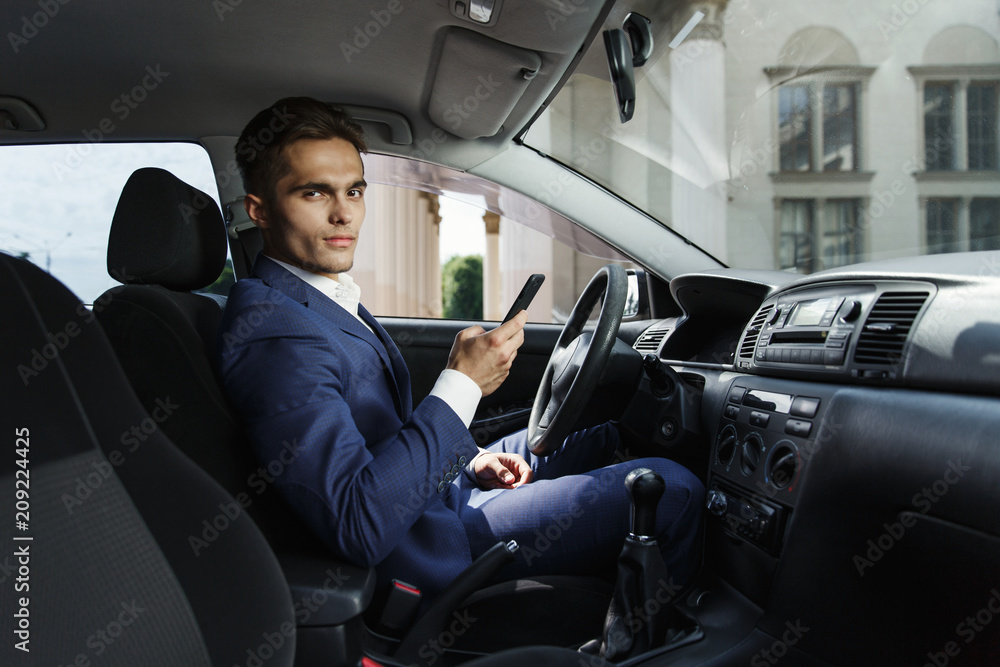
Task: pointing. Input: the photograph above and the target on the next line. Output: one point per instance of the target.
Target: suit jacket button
(441, 486)
(462, 461)
(455, 470)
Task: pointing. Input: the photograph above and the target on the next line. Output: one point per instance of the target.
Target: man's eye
(313, 193)
(356, 193)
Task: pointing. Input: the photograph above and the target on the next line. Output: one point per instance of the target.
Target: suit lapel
(289, 284)
(399, 370)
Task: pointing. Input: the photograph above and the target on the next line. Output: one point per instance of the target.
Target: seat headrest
(166, 232)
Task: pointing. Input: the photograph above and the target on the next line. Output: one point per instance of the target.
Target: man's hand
(486, 357)
(502, 470)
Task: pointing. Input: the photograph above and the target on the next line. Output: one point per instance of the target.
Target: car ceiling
(222, 61)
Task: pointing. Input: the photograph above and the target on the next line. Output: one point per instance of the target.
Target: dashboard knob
(775, 314)
(853, 311)
(716, 502)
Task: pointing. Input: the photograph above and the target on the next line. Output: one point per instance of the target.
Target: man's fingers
(514, 325)
(470, 332)
(502, 473)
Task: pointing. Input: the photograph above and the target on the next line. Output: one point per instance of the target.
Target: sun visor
(478, 82)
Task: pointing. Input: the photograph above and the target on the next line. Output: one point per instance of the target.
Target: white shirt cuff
(460, 392)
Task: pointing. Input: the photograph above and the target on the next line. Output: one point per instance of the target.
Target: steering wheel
(577, 361)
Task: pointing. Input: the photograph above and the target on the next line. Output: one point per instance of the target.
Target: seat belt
(244, 235)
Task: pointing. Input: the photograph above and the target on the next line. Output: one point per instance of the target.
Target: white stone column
(698, 128)
(963, 226)
(492, 308)
(524, 251)
(961, 125)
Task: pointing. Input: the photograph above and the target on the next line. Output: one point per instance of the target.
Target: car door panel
(425, 344)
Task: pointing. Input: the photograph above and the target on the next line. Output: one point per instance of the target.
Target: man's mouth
(339, 241)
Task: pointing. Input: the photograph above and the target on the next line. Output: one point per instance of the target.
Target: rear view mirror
(618, 46)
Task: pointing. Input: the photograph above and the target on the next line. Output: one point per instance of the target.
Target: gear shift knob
(645, 488)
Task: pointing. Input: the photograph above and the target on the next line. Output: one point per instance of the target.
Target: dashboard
(850, 419)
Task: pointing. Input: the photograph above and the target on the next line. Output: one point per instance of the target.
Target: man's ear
(256, 210)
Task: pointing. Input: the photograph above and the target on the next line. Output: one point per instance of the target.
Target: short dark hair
(259, 148)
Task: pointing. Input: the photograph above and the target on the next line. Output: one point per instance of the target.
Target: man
(383, 482)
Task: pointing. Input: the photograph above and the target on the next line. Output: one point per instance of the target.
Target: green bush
(462, 287)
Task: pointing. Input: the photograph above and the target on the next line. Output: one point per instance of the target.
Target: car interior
(844, 420)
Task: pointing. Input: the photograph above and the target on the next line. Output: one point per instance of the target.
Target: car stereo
(855, 329)
(811, 329)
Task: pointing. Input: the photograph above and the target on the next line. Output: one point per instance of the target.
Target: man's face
(313, 219)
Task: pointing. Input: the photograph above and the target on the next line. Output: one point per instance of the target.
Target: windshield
(800, 135)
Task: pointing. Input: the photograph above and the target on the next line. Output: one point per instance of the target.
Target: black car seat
(109, 572)
(168, 239)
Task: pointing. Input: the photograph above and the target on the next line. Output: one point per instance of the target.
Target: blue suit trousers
(574, 517)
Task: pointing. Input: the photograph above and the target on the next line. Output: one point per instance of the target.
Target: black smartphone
(528, 293)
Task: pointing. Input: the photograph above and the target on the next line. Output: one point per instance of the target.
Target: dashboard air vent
(753, 332)
(650, 339)
(884, 333)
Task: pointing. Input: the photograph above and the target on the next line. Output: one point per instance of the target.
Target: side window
(428, 255)
(58, 202)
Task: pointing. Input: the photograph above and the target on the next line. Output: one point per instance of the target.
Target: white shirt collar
(346, 293)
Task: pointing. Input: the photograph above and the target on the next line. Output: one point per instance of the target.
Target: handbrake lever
(468, 582)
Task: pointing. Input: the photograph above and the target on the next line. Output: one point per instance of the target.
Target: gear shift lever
(630, 628)
(645, 488)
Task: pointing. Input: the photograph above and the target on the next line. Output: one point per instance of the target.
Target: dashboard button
(833, 357)
(815, 356)
(736, 394)
(732, 411)
(798, 427)
(804, 406)
(759, 419)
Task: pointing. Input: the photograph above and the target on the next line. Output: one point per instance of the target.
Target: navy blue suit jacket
(368, 472)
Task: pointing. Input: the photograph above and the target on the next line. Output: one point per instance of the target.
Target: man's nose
(340, 213)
